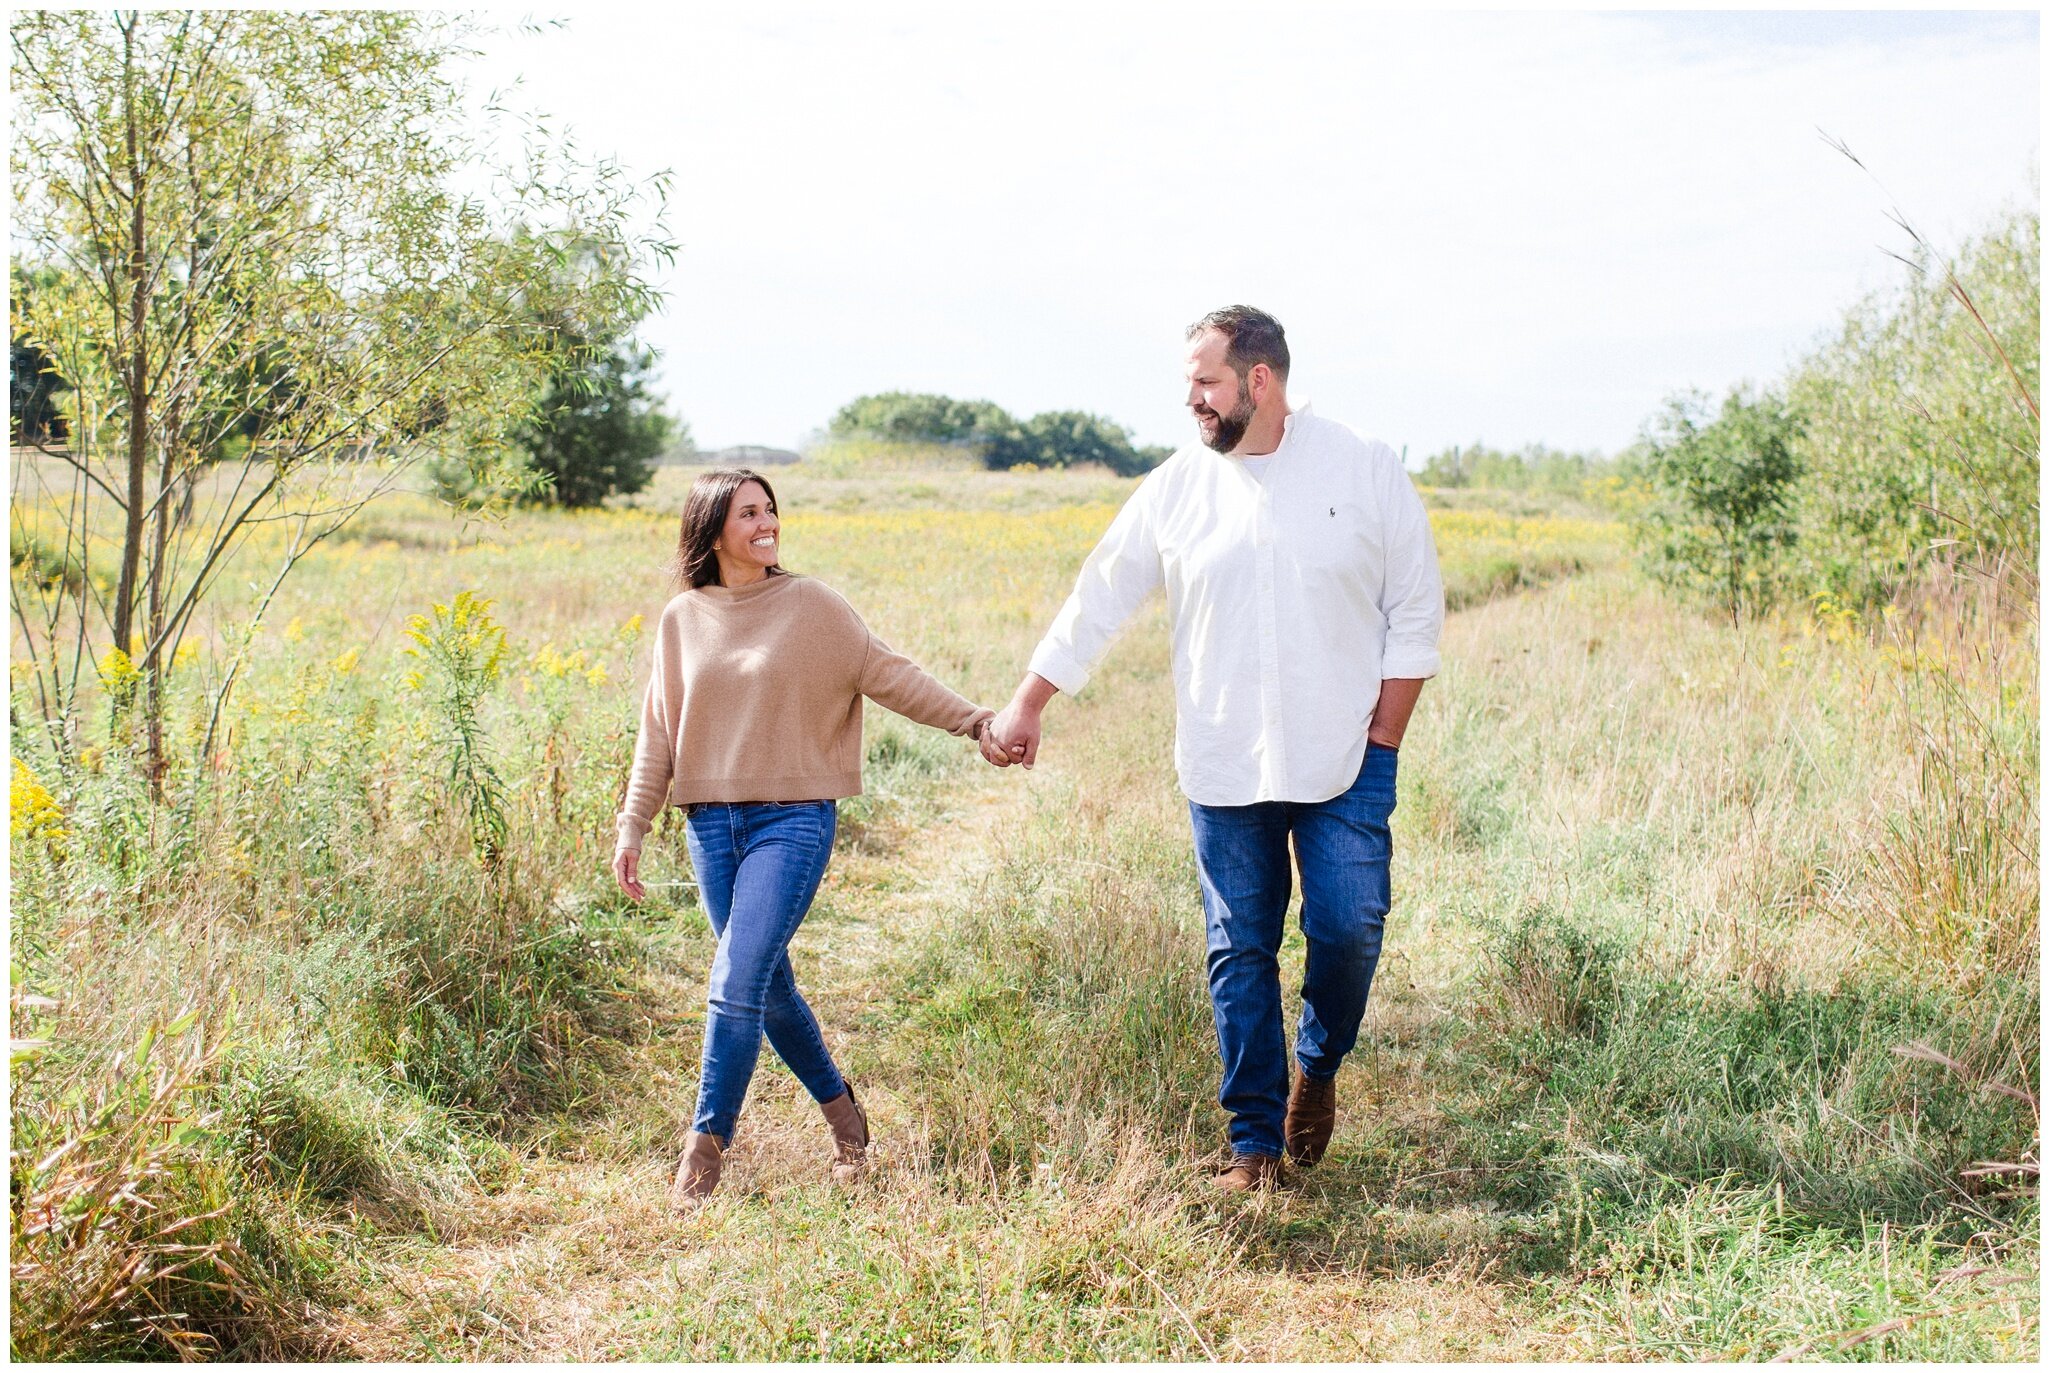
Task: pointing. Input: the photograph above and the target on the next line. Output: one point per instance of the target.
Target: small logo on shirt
(1334, 512)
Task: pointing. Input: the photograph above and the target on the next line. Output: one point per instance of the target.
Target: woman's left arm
(896, 683)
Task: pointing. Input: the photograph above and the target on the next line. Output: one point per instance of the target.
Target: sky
(1502, 227)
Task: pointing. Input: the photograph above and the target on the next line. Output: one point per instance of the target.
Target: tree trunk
(138, 355)
(153, 664)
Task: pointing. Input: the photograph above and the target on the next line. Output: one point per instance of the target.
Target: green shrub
(1720, 523)
(1920, 435)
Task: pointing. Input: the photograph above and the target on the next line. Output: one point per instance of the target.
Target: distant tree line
(1053, 438)
(1531, 468)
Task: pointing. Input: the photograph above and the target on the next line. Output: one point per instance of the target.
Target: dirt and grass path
(1622, 1093)
(568, 1250)
(568, 1253)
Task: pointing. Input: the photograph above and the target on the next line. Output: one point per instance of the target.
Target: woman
(752, 720)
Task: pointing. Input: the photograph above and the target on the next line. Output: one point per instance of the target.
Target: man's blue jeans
(1342, 848)
(758, 865)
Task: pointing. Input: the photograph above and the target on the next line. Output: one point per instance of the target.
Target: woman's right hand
(986, 740)
(626, 866)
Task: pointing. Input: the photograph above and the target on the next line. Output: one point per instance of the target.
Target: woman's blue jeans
(1342, 848)
(758, 865)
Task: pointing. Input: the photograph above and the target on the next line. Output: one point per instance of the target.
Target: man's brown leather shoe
(697, 1172)
(1249, 1173)
(850, 1136)
(1312, 1114)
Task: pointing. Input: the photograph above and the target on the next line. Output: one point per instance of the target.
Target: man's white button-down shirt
(1290, 595)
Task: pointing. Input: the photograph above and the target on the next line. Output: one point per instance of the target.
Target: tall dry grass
(1629, 1077)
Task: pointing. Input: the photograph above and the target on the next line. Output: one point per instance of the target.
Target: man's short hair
(1251, 336)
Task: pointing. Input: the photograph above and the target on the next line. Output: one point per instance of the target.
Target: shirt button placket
(1274, 753)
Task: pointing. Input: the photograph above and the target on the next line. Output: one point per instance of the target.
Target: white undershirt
(1257, 467)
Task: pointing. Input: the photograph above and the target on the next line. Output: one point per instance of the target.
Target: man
(1304, 604)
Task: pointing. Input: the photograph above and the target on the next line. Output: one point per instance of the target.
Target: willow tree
(277, 262)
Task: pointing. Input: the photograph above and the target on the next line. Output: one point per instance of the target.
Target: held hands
(1015, 730)
(1015, 736)
(985, 740)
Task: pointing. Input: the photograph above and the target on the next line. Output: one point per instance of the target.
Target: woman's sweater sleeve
(895, 682)
(647, 786)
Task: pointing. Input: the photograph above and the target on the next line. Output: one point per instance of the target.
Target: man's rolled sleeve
(1118, 574)
(1055, 663)
(1413, 594)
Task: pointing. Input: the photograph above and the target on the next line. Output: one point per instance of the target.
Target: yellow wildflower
(295, 631)
(346, 664)
(32, 812)
(118, 672)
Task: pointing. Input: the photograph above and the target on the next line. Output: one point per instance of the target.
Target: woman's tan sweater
(756, 696)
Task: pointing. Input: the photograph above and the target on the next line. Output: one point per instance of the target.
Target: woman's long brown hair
(704, 519)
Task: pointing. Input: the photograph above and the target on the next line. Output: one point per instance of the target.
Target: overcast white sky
(1510, 227)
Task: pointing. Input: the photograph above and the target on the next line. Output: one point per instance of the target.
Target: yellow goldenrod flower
(32, 812)
(118, 672)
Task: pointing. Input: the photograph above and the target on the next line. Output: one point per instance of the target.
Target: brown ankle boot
(1249, 1173)
(850, 1136)
(697, 1172)
(1312, 1114)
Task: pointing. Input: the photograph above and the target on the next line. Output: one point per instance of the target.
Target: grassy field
(1709, 994)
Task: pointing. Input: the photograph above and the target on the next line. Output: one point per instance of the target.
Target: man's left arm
(1412, 602)
(1392, 711)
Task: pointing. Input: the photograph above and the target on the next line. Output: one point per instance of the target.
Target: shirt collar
(1288, 427)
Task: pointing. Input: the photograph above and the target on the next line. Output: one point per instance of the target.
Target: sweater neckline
(735, 595)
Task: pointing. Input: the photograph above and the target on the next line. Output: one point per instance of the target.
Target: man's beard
(1230, 428)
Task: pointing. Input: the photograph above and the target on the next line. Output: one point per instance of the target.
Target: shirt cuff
(1058, 666)
(1414, 662)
